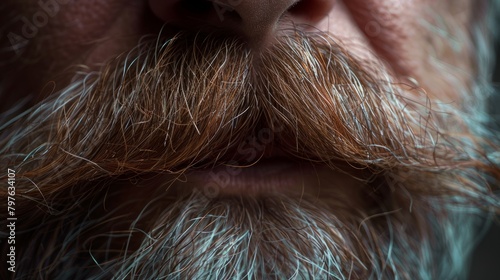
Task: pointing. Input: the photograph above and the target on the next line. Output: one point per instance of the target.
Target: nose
(254, 20)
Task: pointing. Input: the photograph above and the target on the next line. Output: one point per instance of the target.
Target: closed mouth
(274, 172)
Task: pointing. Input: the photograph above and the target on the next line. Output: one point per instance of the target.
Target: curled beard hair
(183, 103)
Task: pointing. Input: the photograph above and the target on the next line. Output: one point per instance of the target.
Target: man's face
(246, 139)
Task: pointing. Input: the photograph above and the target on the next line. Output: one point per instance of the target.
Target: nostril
(195, 6)
(311, 11)
(296, 8)
(207, 11)
(254, 20)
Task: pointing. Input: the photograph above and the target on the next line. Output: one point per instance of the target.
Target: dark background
(486, 259)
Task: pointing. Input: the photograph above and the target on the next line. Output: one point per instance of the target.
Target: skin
(84, 34)
(388, 124)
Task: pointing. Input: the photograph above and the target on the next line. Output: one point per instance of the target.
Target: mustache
(195, 99)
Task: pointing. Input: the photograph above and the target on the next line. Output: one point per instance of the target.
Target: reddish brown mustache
(195, 99)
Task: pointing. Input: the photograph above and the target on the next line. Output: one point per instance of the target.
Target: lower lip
(267, 176)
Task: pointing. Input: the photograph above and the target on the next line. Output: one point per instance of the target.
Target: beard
(100, 168)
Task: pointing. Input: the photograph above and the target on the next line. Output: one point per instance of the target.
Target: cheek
(59, 37)
(417, 37)
(392, 28)
(81, 26)
(66, 31)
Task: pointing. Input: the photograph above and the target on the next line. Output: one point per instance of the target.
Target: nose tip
(253, 19)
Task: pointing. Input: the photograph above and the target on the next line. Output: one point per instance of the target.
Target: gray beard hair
(259, 238)
(192, 236)
(419, 224)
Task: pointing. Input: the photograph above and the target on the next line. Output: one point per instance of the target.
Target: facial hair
(188, 102)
